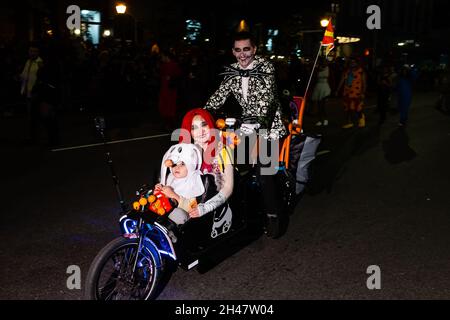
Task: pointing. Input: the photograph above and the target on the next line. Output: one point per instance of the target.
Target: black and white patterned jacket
(262, 100)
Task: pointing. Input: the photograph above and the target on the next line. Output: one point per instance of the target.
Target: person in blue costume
(406, 78)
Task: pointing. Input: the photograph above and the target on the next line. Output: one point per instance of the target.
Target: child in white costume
(183, 183)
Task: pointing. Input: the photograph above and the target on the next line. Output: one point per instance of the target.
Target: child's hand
(169, 193)
(158, 187)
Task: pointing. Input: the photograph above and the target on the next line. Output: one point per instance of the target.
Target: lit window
(193, 29)
(271, 33)
(91, 25)
(269, 45)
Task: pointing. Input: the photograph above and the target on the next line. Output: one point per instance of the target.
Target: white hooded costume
(189, 187)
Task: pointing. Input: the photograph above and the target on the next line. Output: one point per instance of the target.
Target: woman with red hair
(198, 127)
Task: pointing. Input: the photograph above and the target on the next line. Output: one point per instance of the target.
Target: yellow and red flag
(328, 38)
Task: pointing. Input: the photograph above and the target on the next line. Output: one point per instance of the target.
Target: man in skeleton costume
(252, 82)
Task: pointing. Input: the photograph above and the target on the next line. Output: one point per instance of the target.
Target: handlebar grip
(230, 121)
(250, 120)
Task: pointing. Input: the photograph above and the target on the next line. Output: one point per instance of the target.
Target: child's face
(200, 130)
(180, 170)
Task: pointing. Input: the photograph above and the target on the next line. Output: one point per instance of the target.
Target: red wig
(186, 124)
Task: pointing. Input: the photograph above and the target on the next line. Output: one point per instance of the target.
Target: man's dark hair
(244, 35)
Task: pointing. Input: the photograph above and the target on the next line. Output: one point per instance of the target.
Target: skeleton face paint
(244, 52)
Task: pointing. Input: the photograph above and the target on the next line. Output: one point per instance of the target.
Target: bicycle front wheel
(120, 272)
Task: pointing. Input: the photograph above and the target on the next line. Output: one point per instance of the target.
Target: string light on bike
(220, 124)
(151, 199)
(231, 138)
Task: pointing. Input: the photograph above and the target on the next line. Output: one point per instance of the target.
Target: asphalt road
(380, 197)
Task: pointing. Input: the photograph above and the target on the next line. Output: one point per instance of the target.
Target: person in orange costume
(355, 84)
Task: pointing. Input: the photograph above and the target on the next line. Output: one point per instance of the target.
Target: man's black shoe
(273, 226)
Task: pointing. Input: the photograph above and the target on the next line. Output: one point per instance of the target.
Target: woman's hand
(194, 213)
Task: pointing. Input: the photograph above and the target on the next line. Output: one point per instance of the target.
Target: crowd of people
(353, 80)
(122, 77)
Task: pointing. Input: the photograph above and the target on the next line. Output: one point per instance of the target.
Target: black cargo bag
(303, 150)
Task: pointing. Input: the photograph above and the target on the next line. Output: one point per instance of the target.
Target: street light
(348, 39)
(243, 26)
(324, 23)
(121, 8)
